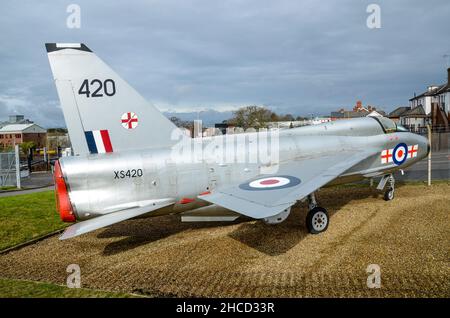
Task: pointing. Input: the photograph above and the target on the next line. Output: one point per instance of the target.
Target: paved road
(14, 193)
(38, 180)
(440, 168)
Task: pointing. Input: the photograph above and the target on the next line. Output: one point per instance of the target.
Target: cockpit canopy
(389, 126)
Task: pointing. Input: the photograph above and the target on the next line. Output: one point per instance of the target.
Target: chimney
(448, 76)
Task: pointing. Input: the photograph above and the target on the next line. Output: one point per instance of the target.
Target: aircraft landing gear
(280, 217)
(389, 193)
(317, 219)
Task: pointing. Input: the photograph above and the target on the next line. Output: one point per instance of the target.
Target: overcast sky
(300, 57)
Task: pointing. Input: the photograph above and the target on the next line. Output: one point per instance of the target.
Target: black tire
(317, 220)
(389, 194)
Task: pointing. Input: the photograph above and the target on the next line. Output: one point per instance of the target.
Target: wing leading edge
(261, 197)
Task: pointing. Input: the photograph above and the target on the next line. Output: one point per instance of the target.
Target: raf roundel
(270, 183)
(129, 120)
(400, 153)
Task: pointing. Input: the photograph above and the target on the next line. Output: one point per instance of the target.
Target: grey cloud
(300, 57)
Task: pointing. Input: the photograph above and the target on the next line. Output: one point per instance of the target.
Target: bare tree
(181, 123)
(251, 116)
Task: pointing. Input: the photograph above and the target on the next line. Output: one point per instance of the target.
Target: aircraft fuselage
(100, 184)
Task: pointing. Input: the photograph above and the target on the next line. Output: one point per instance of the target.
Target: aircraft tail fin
(103, 113)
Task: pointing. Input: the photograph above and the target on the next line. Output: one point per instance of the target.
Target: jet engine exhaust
(63, 204)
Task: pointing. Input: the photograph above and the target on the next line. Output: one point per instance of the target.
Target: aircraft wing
(112, 218)
(269, 194)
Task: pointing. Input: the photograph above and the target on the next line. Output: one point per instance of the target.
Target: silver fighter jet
(124, 163)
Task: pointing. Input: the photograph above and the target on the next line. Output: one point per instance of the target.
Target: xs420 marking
(133, 173)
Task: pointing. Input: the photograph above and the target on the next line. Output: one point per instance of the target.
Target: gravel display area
(409, 238)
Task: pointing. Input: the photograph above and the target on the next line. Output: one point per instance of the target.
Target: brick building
(15, 134)
(358, 111)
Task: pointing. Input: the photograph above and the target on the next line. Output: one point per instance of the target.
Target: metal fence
(7, 169)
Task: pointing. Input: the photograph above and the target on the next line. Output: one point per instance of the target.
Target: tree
(251, 117)
(287, 117)
(26, 146)
(57, 131)
(274, 117)
(175, 120)
(181, 123)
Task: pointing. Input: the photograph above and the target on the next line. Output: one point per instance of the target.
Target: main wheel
(317, 220)
(389, 194)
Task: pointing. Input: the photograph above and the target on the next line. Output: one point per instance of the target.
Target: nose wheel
(390, 189)
(389, 194)
(317, 219)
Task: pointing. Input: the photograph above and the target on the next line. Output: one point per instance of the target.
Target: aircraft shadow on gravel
(143, 231)
(271, 240)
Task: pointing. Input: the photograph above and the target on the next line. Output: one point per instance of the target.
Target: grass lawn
(7, 188)
(28, 216)
(20, 288)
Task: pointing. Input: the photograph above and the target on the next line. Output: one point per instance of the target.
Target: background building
(431, 107)
(396, 113)
(16, 119)
(358, 111)
(14, 134)
(434, 103)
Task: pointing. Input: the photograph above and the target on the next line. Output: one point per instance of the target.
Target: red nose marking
(268, 182)
(400, 153)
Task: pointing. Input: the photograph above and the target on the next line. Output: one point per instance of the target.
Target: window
(18, 135)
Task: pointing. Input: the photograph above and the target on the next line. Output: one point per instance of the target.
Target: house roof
(349, 114)
(440, 89)
(374, 113)
(436, 91)
(33, 128)
(398, 111)
(23, 121)
(443, 89)
(414, 112)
